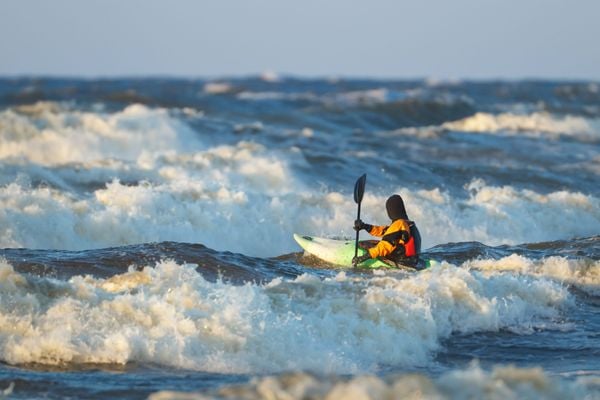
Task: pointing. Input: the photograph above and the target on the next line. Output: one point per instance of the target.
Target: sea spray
(170, 315)
(474, 382)
(237, 214)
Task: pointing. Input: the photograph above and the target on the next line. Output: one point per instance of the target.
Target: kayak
(340, 253)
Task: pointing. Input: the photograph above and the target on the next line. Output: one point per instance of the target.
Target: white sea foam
(581, 273)
(217, 87)
(502, 382)
(229, 198)
(531, 124)
(238, 198)
(170, 315)
(261, 96)
(242, 198)
(364, 97)
(270, 76)
(54, 136)
(493, 215)
(350, 98)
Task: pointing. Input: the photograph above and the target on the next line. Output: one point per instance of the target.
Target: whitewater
(146, 238)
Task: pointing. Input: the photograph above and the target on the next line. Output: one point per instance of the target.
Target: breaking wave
(168, 314)
(234, 199)
(474, 382)
(50, 134)
(538, 123)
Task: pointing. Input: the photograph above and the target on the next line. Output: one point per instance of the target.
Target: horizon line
(274, 77)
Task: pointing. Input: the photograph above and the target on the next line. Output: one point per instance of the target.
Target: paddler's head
(395, 208)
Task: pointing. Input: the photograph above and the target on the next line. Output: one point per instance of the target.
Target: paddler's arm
(374, 230)
(377, 230)
(396, 235)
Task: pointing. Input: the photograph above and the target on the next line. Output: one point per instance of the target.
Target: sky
(442, 39)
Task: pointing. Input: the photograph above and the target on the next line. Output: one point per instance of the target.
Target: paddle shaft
(359, 191)
(357, 232)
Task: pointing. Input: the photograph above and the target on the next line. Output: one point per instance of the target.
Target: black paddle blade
(359, 188)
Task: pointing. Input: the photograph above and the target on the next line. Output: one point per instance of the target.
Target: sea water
(146, 233)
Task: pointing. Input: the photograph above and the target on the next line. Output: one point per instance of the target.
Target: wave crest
(502, 382)
(50, 134)
(170, 315)
(532, 124)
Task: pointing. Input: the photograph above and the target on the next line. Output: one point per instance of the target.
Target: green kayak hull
(341, 252)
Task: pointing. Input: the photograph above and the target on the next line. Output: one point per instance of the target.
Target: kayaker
(400, 241)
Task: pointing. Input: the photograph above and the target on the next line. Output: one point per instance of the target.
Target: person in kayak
(400, 241)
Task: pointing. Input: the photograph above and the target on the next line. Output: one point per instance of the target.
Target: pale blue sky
(442, 39)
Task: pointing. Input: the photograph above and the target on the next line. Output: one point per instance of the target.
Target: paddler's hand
(359, 225)
(360, 259)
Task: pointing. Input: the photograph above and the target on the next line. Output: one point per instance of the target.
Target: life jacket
(412, 244)
(409, 248)
(407, 243)
(412, 247)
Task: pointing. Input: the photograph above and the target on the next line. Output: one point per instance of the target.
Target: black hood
(395, 208)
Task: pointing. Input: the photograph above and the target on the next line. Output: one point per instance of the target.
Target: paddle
(359, 191)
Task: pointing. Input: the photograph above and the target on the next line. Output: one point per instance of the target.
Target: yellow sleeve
(377, 230)
(397, 234)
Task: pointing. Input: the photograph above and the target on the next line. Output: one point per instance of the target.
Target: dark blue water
(146, 232)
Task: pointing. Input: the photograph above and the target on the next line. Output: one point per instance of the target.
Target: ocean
(146, 245)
